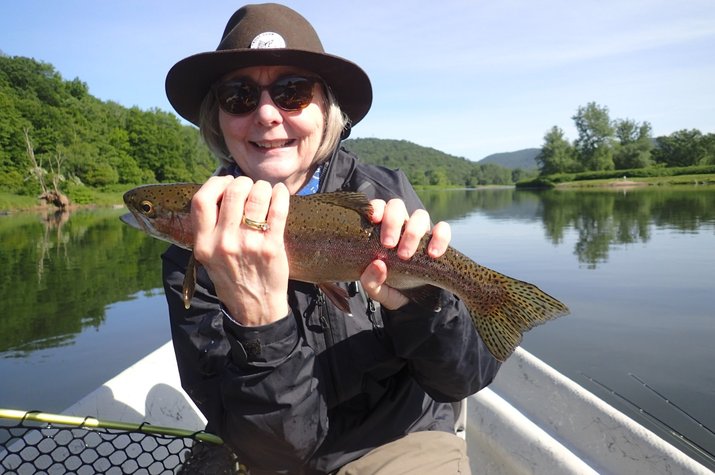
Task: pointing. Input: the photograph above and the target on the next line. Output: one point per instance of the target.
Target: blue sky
(467, 77)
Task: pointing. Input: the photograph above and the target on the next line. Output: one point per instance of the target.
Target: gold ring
(257, 225)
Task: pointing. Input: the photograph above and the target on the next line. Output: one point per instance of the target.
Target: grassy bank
(10, 202)
(84, 197)
(700, 179)
(652, 176)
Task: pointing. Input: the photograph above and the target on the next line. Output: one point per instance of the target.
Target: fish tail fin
(503, 308)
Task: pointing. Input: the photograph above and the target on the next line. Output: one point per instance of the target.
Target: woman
(292, 383)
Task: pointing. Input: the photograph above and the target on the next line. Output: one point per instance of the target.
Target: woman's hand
(393, 216)
(248, 266)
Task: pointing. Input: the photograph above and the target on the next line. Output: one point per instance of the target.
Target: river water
(82, 299)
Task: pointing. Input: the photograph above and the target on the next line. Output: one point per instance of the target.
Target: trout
(329, 238)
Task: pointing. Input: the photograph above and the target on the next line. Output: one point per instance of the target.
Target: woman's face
(272, 144)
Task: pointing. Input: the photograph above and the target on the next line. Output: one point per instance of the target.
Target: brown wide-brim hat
(267, 35)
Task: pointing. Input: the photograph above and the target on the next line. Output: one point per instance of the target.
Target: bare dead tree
(36, 170)
(54, 196)
(59, 197)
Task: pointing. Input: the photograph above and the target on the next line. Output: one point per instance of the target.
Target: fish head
(162, 211)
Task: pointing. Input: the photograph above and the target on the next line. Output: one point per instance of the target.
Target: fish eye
(147, 207)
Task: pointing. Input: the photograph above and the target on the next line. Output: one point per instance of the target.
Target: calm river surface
(82, 298)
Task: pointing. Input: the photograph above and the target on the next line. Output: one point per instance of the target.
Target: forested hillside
(53, 130)
(524, 159)
(82, 141)
(427, 166)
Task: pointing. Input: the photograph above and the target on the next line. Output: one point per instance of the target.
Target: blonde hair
(334, 123)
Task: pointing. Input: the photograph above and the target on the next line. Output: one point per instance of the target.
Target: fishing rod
(659, 422)
(672, 404)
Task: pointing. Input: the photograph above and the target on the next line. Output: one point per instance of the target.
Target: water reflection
(63, 275)
(453, 205)
(605, 218)
(641, 292)
(61, 271)
(602, 219)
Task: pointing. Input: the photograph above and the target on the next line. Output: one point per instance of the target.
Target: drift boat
(531, 419)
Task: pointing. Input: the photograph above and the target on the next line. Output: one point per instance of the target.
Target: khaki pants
(433, 452)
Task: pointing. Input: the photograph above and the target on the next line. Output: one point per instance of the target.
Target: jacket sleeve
(445, 354)
(198, 337)
(257, 383)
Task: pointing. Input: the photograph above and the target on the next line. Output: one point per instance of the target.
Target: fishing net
(33, 442)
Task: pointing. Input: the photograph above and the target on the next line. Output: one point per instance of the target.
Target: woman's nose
(267, 112)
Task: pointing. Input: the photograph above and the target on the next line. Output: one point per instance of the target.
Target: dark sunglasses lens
(292, 93)
(237, 97)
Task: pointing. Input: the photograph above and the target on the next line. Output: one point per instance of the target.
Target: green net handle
(91, 422)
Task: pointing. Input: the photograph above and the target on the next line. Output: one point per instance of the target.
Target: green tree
(594, 148)
(634, 144)
(685, 148)
(13, 164)
(557, 154)
(437, 177)
(519, 174)
(103, 142)
(101, 174)
(709, 145)
(489, 174)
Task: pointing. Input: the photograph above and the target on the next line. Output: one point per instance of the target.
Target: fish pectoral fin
(336, 294)
(427, 296)
(189, 286)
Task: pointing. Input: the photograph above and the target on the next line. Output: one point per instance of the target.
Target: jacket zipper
(324, 319)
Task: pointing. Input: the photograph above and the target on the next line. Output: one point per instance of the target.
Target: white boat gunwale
(532, 419)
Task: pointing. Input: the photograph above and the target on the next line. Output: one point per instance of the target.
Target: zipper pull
(320, 303)
(320, 298)
(370, 307)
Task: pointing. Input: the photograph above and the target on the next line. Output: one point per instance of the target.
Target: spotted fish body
(330, 238)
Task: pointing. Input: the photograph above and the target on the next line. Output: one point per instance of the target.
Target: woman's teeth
(273, 143)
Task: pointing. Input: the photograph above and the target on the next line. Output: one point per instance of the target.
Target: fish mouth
(136, 223)
(132, 221)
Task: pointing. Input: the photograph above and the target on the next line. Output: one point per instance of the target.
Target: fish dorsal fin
(351, 200)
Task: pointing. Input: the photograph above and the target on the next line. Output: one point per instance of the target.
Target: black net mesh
(28, 447)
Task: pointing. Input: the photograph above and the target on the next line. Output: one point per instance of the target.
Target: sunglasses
(241, 96)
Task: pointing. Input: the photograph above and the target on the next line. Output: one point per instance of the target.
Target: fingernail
(435, 252)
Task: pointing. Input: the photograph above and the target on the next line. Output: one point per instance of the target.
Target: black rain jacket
(319, 388)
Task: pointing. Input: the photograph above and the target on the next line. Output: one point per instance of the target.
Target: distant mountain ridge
(524, 159)
(428, 166)
(390, 151)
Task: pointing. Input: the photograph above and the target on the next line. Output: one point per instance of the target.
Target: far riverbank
(11, 203)
(679, 180)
